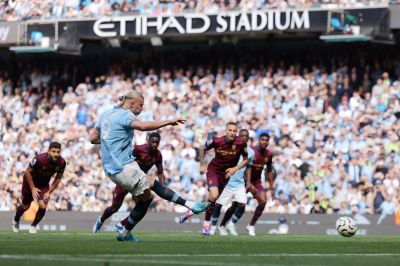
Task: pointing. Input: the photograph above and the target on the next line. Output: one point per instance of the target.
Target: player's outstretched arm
(231, 171)
(153, 125)
(94, 136)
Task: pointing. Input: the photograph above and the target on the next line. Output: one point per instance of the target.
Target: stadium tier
(333, 120)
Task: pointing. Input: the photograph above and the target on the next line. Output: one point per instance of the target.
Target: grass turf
(82, 248)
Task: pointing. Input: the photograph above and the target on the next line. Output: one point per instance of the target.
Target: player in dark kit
(262, 158)
(35, 186)
(228, 150)
(146, 156)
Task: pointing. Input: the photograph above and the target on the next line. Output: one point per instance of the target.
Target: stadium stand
(13, 10)
(334, 121)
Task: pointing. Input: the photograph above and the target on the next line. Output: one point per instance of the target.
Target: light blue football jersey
(116, 137)
(237, 180)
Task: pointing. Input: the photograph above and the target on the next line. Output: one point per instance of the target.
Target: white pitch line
(129, 260)
(204, 255)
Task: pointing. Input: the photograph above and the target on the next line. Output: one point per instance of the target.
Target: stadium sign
(193, 23)
(8, 32)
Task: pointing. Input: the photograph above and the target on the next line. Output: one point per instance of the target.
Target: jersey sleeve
(210, 144)
(63, 164)
(35, 163)
(159, 163)
(127, 119)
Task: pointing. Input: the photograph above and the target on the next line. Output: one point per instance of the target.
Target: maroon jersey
(146, 158)
(227, 154)
(43, 169)
(261, 158)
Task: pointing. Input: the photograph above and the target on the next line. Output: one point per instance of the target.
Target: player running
(146, 156)
(228, 150)
(35, 185)
(234, 191)
(262, 158)
(114, 133)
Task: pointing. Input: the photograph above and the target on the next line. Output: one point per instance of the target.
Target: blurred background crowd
(12, 10)
(333, 120)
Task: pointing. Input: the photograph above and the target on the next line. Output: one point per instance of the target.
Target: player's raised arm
(153, 125)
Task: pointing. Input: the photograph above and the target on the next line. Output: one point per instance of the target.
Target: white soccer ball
(346, 226)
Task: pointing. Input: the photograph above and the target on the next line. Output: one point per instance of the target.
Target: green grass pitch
(83, 248)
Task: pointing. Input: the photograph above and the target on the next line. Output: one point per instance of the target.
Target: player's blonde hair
(129, 95)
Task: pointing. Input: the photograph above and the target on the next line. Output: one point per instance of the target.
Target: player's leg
(238, 213)
(118, 198)
(213, 183)
(135, 182)
(41, 211)
(224, 199)
(122, 223)
(136, 215)
(21, 208)
(229, 212)
(240, 198)
(170, 195)
(212, 198)
(214, 218)
(39, 216)
(261, 198)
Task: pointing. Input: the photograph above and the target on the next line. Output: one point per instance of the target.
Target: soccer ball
(346, 226)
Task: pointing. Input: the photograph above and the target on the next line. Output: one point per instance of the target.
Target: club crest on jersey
(266, 159)
(234, 147)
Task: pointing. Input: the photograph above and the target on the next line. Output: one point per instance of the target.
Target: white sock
(206, 223)
(125, 232)
(189, 204)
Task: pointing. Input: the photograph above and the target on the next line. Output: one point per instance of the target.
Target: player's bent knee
(263, 203)
(145, 196)
(150, 180)
(42, 205)
(213, 196)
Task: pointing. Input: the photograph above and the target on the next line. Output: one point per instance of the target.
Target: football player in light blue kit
(114, 133)
(235, 191)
